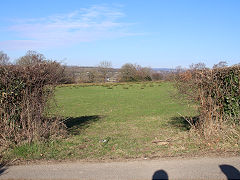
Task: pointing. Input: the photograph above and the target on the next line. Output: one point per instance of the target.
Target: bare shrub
(24, 94)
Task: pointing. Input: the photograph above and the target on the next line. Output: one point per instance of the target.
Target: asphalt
(194, 168)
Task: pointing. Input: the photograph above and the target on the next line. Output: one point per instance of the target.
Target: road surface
(194, 168)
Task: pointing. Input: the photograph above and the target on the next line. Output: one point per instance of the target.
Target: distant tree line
(104, 72)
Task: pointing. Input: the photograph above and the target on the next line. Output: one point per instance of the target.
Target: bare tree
(144, 73)
(4, 59)
(31, 57)
(134, 72)
(198, 66)
(179, 69)
(104, 68)
(221, 64)
(128, 72)
(156, 76)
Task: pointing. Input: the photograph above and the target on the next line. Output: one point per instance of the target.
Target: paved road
(195, 168)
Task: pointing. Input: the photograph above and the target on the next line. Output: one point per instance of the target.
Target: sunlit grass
(116, 121)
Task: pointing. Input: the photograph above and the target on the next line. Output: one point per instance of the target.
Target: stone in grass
(160, 142)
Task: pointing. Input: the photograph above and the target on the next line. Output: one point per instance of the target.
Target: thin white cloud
(84, 25)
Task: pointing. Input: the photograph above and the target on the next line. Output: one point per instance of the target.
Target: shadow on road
(160, 174)
(76, 124)
(230, 171)
(2, 169)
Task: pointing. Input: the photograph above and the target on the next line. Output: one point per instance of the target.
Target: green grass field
(118, 121)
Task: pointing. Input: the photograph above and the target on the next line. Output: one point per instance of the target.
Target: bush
(24, 94)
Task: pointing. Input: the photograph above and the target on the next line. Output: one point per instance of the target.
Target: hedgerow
(217, 94)
(25, 92)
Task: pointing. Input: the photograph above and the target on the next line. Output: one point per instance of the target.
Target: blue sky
(155, 33)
